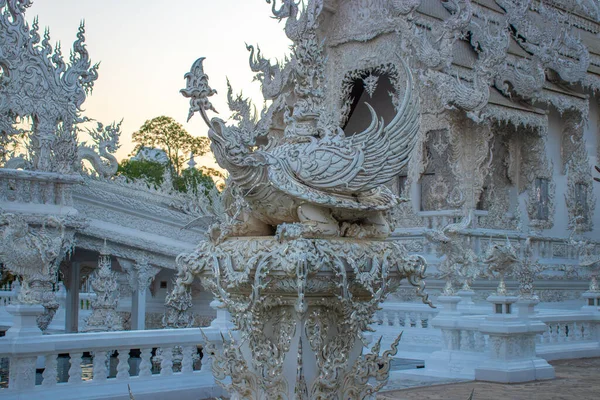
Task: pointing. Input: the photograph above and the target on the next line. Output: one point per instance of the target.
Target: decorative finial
(198, 91)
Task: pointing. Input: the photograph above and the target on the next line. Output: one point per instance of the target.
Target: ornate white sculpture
(106, 142)
(314, 180)
(104, 315)
(460, 264)
(502, 260)
(302, 298)
(34, 250)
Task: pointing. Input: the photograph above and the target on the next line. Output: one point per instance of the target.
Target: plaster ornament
(318, 292)
(460, 263)
(587, 255)
(315, 178)
(104, 317)
(100, 153)
(178, 310)
(501, 260)
(527, 270)
(38, 84)
(33, 249)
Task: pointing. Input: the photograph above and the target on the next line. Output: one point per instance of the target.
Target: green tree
(151, 171)
(154, 172)
(167, 134)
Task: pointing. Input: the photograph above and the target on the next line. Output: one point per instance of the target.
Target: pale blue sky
(146, 46)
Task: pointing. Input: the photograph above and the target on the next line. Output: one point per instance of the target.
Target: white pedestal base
(515, 371)
(24, 320)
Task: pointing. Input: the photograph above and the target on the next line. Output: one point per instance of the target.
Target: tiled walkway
(575, 379)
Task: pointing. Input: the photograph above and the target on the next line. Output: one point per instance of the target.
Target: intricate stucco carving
(307, 290)
(502, 260)
(291, 182)
(579, 197)
(140, 273)
(537, 178)
(106, 141)
(104, 315)
(33, 248)
(460, 264)
(37, 83)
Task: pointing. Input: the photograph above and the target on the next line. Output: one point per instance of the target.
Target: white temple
(481, 116)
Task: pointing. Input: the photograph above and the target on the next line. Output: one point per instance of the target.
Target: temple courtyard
(575, 379)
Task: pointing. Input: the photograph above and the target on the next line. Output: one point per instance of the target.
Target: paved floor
(575, 379)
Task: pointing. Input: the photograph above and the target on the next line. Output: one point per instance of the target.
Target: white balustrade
(23, 351)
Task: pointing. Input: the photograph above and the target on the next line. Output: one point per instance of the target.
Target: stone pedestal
(460, 353)
(300, 307)
(24, 320)
(223, 321)
(466, 297)
(512, 335)
(591, 301)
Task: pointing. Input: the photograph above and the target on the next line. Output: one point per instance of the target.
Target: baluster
(146, 363)
(586, 331)
(418, 321)
(123, 365)
(396, 320)
(386, 321)
(166, 364)
(206, 365)
(50, 370)
(578, 333)
(479, 341)
(562, 333)
(187, 363)
(75, 368)
(570, 332)
(406, 320)
(100, 370)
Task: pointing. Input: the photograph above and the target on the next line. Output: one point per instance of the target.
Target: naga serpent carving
(106, 141)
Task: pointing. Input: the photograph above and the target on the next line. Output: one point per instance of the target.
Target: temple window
(541, 197)
(367, 86)
(581, 202)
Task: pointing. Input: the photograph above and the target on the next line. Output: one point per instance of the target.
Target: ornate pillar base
(512, 345)
(300, 307)
(24, 320)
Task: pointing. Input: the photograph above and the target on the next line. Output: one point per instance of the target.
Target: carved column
(72, 279)
(139, 274)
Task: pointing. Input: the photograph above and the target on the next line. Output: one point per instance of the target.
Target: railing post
(21, 374)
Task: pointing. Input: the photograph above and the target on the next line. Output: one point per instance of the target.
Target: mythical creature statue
(435, 49)
(315, 181)
(106, 141)
(460, 260)
(502, 260)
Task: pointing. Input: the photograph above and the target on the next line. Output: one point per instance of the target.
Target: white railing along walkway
(26, 353)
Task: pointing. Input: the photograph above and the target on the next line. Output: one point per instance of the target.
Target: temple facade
(498, 195)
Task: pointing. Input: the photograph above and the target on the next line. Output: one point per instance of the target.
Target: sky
(146, 46)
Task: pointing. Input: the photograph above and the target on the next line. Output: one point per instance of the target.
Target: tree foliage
(153, 172)
(169, 135)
